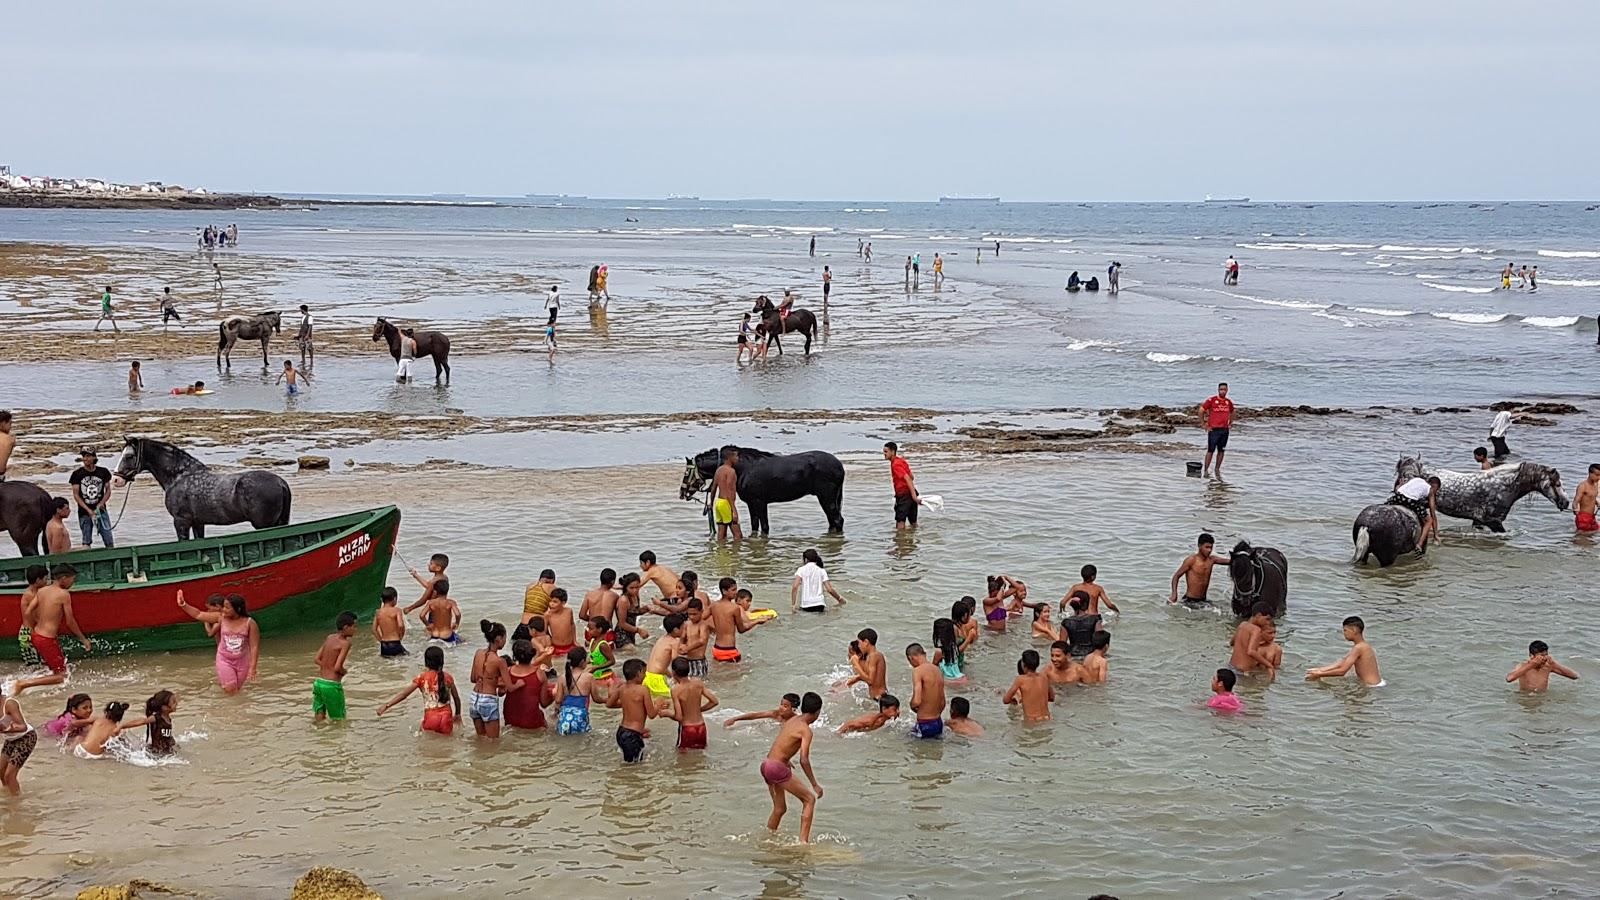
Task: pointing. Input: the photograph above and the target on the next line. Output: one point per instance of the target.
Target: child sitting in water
(787, 706)
(1031, 689)
(888, 708)
(158, 712)
(438, 694)
(1041, 623)
(574, 690)
(1534, 672)
(1223, 699)
(960, 720)
(1096, 669)
(78, 717)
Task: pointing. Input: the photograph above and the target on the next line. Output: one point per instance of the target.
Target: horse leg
(264, 341)
(758, 518)
(181, 526)
(199, 530)
(830, 500)
(25, 546)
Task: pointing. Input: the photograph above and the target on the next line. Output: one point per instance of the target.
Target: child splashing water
(78, 716)
(438, 694)
(158, 712)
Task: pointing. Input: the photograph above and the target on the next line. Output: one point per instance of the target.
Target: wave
(1087, 344)
(1571, 282)
(1028, 240)
(1378, 311)
(792, 229)
(1416, 256)
(1286, 304)
(1426, 275)
(854, 210)
(1551, 321)
(1342, 320)
(1297, 245)
(1459, 289)
(1156, 357)
(1571, 254)
(1472, 318)
(1401, 248)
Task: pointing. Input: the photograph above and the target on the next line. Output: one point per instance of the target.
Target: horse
(1260, 574)
(1486, 497)
(1385, 530)
(24, 511)
(765, 478)
(197, 496)
(247, 328)
(775, 325)
(429, 343)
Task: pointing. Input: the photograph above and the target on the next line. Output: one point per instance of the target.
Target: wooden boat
(293, 578)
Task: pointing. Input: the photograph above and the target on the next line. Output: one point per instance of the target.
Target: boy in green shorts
(327, 692)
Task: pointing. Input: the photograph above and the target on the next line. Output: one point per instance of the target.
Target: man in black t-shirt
(91, 488)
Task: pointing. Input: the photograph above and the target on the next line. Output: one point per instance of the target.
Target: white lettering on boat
(354, 549)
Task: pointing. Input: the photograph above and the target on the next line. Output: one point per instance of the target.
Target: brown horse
(429, 343)
(773, 325)
(234, 329)
(24, 511)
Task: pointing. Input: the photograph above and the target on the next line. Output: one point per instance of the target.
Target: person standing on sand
(908, 274)
(906, 498)
(303, 336)
(813, 246)
(169, 308)
(938, 271)
(91, 488)
(869, 251)
(552, 303)
(106, 313)
(1218, 411)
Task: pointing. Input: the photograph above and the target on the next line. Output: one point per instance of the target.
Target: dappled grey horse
(234, 329)
(197, 496)
(1486, 497)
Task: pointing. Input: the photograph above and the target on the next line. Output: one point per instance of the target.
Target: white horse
(1486, 497)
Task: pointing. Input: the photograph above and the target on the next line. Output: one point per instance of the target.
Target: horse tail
(1363, 544)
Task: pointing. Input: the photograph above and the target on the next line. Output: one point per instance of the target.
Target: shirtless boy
(927, 693)
(1096, 668)
(690, 702)
(1031, 689)
(787, 709)
(389, 626)
(665, 580)
(1534, 672)
(327, 692)
(56, 538)
(696, 637)
(441, 616)
(871, 669)
(1062, 669)
(558, 621)
(728, 621)
(1095, 593)
(1195, 570)
(794, 738)
(725, 496)
(1588, 496)
(960, 720)
(888, 708)
(437, 563)
(1252, 648)
(1361, 657)
(38, 576)
(601, 601)
(634, 699)
(52, 607)
(667, 648)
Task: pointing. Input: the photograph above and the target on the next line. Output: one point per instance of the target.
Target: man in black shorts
(905, 487)
(1218, 413)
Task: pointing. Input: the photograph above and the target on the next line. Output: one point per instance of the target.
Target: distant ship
(1211, 199)
(956, 198)
(681, 197)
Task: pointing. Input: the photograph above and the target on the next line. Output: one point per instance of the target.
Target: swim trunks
(632, 744)
(81, 753)
(775, 771)
(30, 657)
(452, 640)
(723, 511)
(1586, 522)
(905, 509)
(698, 667)
(1195, 602)
(49, 650)
(560, 651)
(928, 728)
(19, 747)
(1216, 440)
(726, 654)
(293, 389)
(657, 683)
(691, 737)
(574, 715)
(391, 648)
(438, 719)
(485, 707)
(327, 697)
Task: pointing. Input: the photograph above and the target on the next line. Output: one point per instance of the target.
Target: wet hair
(157, 702)
(648, 556)
(1356, 623)
(1040, 610)
(959, 614)
(1079, 602)
(628, 580)
(345, 620)
(441, 587)
(1088, 573)
(547, 574)
(522, 652)
(1205, 538)
(1222, 384)
(237, 602)
(891, 446)
(433, 660)
(811, 703)
(1535, 647)
(725, 583)
(608, 577)
(63, 570)
(114, 710)
(959, 707)
(673, 622)
(134, 364)
(944, 637)
(1227, 678)
(915, 650)
(995, 584)
(680, 667)
(492, 631)
(867, 634)
(971, 603)
(600, 622)
(61, 503)
(694, 603)
(1029, 662)
(729, 451)
(888, 701)
(1100, 641)
(199, 385)
(1593, 468)
(691, 581)
(1480, 451)
(441, 560)
(558, 594)
(216, 600)
(1063, 646)
(522, 633)
(76, 700)
(389, 595)
(812, 556)
(36, 572)
(1261, 608)
(536, 624)
(5, 415)
(632, 670)
(792, 699)
(577, 658)
(744, 594)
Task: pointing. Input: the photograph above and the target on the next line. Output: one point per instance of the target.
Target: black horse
(770, 478)
(24, 511)
(429, 343)
(197, 496)
(774, 325)
(1259, 574)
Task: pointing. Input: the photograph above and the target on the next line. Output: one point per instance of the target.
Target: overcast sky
(1403, 99)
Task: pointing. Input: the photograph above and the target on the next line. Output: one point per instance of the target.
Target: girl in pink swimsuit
(238, 645)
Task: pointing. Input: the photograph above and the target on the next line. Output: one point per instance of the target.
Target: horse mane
(715, 454)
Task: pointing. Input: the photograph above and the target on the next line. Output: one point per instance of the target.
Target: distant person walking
(1113, 272)
(938, 270)
(827, 284)
(169, 308)
(813, 245)
(552, 303)
(1218, 412)
(908, 274)
(605, 295)
(905, 487)
(106, 313)
(869, 251)
(1230, 271)
(861, 246)
(916, 271)
(216, 283)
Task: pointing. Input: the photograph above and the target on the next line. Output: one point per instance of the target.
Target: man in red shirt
(905, 488)
(1218, 413)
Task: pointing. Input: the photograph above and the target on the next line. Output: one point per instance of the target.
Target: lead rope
(127, 489)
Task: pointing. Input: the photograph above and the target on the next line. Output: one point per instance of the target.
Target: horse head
(1240, 563)
(1407, 468)
(1546, 480)
(693, 481)
(379, 328)
(159, 458)
(130, 463)
(274, 318)
(763, 305)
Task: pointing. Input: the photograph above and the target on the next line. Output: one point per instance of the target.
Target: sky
(1131, 101)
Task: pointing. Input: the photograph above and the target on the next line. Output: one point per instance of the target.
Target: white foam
(1472, 318)
(1169, 357)
(1459, 289)
(1346, 322)
(1376, 311)
(1297, 245)
(854, 210)
(1286, 304)
(1570, 282)
(1381, 265)
(1088, 344)
(1401, 248)
(1415, 257)
(1571, 254)
(1426, 275)
(1550, 321)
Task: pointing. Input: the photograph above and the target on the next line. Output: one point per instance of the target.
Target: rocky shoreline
(321, 883)
(58, 200)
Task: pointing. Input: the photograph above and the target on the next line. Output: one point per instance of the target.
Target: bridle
(1259, 581)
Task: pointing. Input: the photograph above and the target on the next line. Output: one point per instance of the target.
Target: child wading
(327, 692)
(438, 694)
